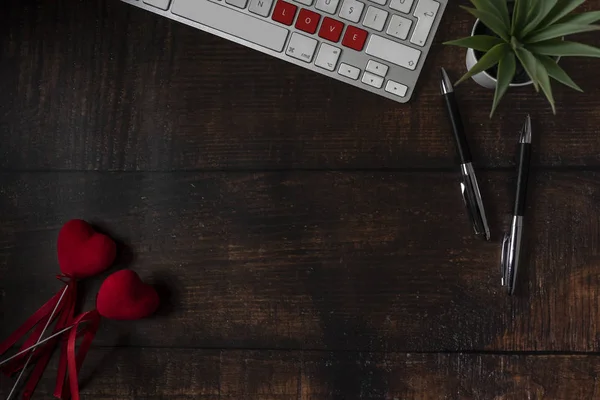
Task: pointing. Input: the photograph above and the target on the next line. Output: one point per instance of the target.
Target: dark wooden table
(308, 239)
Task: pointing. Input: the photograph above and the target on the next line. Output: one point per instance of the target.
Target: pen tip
(446, 84)
(526, 131)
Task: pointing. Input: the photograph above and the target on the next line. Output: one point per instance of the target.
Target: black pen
(511, 246)
(469, 186)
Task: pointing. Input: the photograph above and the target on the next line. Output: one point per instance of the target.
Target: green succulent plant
(530, 34)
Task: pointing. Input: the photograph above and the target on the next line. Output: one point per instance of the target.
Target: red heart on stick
(83, 252)
(124, 296)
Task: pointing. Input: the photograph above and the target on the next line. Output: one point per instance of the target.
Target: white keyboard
(375, 45)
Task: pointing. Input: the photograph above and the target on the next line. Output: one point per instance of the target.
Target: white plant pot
(483, 78)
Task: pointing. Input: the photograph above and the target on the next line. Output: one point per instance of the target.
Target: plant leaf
(544, 81)
(506, 72)
(479, 42)
(563, 48)
(581, 19)
(502, 9)
(562, 8)
(529, 63)
(491, 21)
(558, 31)
(519, 16)
(488, 60)
(484, 5)
(532, 8)
(543, 8)
(556, 72)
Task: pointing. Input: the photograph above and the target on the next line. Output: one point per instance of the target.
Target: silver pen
(512, 243)
(468, 186)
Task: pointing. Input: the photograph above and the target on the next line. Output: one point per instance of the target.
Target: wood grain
(307, 239)
(314, 260)
(100, 85)
(146, 373)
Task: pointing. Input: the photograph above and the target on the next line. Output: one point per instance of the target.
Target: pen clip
(472, 199)
(466, 192)
(511, 254)
(504, 261)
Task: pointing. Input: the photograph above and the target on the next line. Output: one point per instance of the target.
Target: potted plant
(519, 43)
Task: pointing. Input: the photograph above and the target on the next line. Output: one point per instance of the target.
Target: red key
(284, 12)
(355, 38)
(331, 29)
(308, 21)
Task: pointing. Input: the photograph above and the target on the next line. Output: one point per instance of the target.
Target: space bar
(233, 22)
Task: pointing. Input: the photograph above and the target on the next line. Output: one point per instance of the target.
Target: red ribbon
(42, 314)
(74, 360)
(41, 355)
(65, 320)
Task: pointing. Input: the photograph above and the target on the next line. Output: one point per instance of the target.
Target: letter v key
(331, 29)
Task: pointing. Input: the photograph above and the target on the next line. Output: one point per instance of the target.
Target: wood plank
(105, 86)
(146, 373)
(312, 260)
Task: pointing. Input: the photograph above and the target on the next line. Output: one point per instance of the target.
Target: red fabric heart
(124, 296)
(83, 252)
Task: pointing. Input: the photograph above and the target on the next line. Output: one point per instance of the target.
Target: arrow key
(372, 80)
(396, 88)
(349, 71)
(377, 68)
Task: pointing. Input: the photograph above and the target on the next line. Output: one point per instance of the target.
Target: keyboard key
(372, 80)
(308, 21)
(377, 68)
(396, 88)
(396, 53)
(374, 54)
(328, 56)
(349, 71)
(425, 11)
(375, 18)
(301, 47)
(355, 38)
(328, 6)
(261, 7)
(331, 29)
(237, 3)
(403, 6)
(399, 27)
(284, 12)
(236, 23)
(162, 4)
(351, 10)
